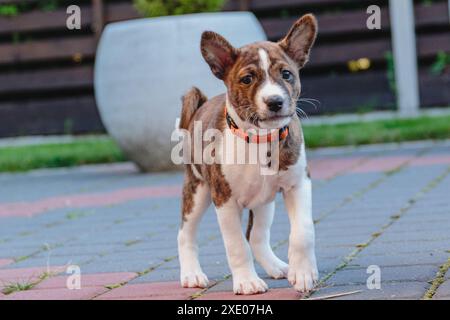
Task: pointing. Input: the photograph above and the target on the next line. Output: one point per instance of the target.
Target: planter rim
(182, 17)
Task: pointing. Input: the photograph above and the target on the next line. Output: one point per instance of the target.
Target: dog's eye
(247, 79)
(287, 75)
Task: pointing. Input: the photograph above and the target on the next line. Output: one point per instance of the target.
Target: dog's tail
(192, 100)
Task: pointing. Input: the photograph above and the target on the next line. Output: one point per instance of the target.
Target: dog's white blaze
(268, 88)
(265, 62)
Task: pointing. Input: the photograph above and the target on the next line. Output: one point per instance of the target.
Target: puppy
(263, 87)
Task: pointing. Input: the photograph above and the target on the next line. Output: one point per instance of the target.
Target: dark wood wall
(46, 70)
(46, 83)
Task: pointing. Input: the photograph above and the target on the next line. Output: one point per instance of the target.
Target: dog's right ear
(218, 53)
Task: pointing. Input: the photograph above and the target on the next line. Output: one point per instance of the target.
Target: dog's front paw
(194, 280)
(249, 285)
(277, 269)
(303, 276)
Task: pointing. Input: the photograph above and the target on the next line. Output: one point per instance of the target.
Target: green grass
(19, 286)
(25, 285)
(437, 281)
(74, 215)
(381, 131)
(78, 152)
(104, 150)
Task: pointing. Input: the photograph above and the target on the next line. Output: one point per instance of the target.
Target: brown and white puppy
(263, 87)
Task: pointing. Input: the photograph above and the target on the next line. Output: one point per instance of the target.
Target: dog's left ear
(300, 39)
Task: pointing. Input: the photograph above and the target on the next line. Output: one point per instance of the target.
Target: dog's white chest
(250, 188)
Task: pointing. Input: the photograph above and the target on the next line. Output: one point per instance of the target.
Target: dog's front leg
(302, 258)
(245, 279)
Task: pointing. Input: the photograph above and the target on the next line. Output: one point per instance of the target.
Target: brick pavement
(384, 205)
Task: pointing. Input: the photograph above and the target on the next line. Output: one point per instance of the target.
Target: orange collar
(249, 138)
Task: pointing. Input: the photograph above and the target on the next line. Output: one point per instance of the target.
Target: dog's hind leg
(259, 238)
(196, 199)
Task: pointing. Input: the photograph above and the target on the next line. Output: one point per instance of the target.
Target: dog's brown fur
(191, 101)
(211, 116)
(290, 148)
(189, 189)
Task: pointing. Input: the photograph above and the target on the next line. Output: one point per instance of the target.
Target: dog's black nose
(275, 103)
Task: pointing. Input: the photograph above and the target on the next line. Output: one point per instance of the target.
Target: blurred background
(46, 70)
(384, 205)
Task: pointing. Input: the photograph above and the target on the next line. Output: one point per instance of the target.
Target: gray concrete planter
(144, 66)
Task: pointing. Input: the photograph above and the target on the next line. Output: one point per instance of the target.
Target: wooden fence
(46, 83)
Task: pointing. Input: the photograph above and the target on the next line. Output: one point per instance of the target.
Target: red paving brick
(56, 294)
(162, 297)
(156, 290)
(26, 209)
(88, 280)
(8, 276)
(430, 160)
(272, 294)
(382, 164)
(327, 169)
(4, 262)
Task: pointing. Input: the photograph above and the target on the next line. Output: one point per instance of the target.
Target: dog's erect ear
(299, 40)
(218, 53)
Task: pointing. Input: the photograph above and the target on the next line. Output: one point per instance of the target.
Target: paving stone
(159, 276)
(415, 245)
(57, 294)
(52, 261)
(74, 250)
(271, 294)
(327, 265)
(18, 252)
(276, 283)
(222, 286)
(150, 291)
(388, 291)
(334, 252)
(88, 280)
(117, 265)
(388, 274)
(395, 235)
(420, 247)
(443, 292)
(5, 262)
(384, 260)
